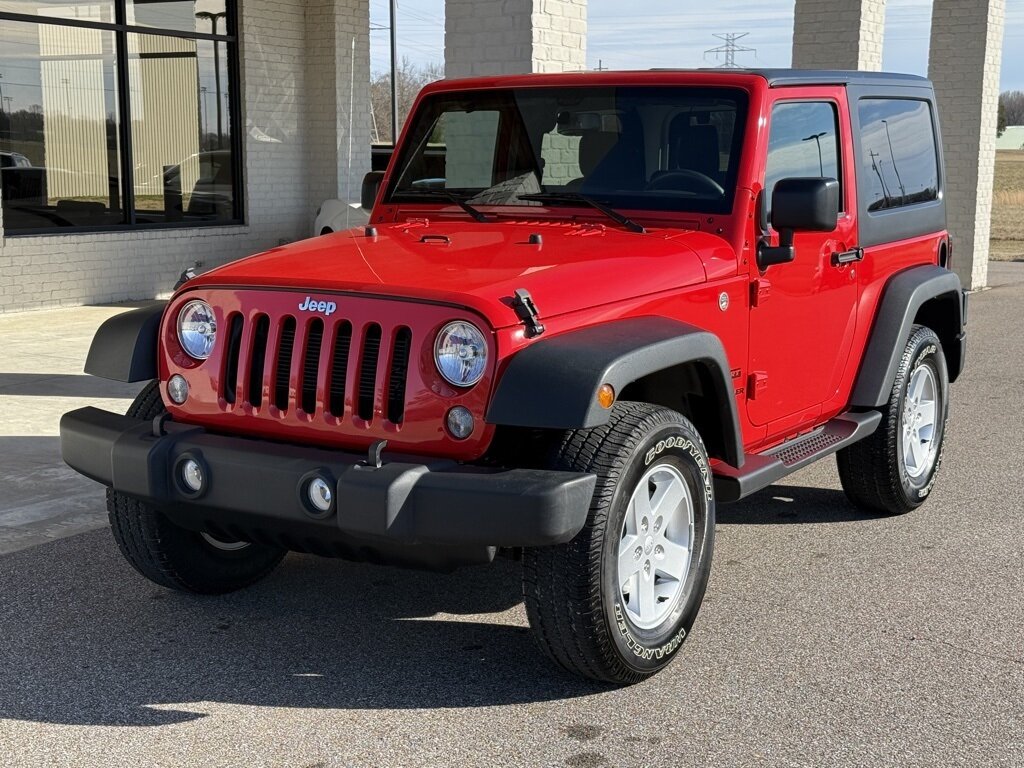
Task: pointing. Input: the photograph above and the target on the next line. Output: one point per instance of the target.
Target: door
(803, 313)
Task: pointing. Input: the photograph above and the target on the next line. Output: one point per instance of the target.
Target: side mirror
(371, 186)
(799, 205)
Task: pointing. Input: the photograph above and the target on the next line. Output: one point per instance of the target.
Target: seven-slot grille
(316, 366)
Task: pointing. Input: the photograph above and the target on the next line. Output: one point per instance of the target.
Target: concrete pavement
(828, 637)
(42, 355)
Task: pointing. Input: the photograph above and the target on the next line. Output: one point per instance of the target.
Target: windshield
(650, 148)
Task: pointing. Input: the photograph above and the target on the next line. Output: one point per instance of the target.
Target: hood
(480, 265)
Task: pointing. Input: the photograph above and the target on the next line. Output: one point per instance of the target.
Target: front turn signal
(606, 396)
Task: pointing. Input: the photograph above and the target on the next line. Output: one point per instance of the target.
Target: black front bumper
(411, 511)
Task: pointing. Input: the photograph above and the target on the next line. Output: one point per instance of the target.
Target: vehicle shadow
(792, 504)
(64, 385)
(88, 642)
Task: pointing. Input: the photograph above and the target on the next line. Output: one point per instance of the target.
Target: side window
(899, 162)
(803, 143)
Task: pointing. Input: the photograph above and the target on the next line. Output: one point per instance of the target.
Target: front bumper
(411, 511)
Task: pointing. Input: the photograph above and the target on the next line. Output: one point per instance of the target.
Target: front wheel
(616, 602)
(175, 557)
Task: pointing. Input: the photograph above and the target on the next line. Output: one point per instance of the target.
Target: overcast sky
(622, 36)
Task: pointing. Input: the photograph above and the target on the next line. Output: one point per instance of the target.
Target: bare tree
(411, 79)
(1012, 104)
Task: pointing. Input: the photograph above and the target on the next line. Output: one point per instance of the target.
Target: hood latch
(526, 310)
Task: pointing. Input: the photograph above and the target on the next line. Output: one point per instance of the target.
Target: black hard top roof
(783, 77)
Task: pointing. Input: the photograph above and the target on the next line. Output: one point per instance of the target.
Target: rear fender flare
(904, 297)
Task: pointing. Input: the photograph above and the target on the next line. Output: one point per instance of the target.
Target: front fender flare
(553, 383)
(124, 347)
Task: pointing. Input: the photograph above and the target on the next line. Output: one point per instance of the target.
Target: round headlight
(197, 329)
(461, 354)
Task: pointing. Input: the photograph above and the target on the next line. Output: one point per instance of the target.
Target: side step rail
(762, 469)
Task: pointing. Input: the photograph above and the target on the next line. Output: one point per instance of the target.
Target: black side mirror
(371, 186)
(799, 205)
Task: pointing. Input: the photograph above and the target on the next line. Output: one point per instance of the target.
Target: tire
(580, 616)
(881, 472)
(172, 556)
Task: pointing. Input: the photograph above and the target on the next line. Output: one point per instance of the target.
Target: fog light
(320, 495)
(460, 422)
(177, 389)
(192, 475)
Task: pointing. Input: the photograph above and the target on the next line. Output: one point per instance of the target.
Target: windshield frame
(431, 106)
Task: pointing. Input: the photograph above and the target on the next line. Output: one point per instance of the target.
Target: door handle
(847, 257)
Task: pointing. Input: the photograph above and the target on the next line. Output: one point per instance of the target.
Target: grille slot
(231, 359)
(398, 375)
(368, 372)
(311, 364)
(259, 360)
(339, 369)
(284, 363)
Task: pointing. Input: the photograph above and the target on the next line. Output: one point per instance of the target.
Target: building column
(498, 37)
(838, 34)
(336, 115)
(964, 63)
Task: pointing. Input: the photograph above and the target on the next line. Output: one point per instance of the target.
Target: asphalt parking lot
(828, 637)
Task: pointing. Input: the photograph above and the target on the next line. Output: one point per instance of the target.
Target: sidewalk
(42, 355)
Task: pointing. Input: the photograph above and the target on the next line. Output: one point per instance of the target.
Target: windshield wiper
(443, 194)
(576, 197)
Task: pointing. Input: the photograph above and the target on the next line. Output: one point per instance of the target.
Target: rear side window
(899, 163)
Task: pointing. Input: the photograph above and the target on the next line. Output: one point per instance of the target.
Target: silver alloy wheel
(224, 546)
(919, 422)
(656, 546)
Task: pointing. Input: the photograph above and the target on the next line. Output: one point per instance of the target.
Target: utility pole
(895, 168)
(600, 65)
(729, 49)
(394, 75)
(213, 18)
(816, 137)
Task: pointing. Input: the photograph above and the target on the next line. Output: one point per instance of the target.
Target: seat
(693, 160)
(593, 149)
(693, 147)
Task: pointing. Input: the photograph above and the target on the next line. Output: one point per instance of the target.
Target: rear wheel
(616, 602)
(894, 469)
(175, 557)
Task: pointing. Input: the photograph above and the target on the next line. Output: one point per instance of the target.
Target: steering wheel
(685, 180)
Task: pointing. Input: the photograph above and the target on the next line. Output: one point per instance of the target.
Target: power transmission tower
(730, 49)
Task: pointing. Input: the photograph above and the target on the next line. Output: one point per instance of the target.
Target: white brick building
(289, 68)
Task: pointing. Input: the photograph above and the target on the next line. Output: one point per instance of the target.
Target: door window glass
(803, 143)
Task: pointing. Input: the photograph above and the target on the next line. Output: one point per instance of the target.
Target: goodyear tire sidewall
(927, 351)
(649, 649)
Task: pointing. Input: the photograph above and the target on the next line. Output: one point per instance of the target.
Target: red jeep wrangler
(587, 308)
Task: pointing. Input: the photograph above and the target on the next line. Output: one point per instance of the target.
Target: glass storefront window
(71, 157)
(59, 101)
(81, 10)
(181, 130)
(202, 16)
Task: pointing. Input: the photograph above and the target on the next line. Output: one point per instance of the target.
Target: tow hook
(373, 456)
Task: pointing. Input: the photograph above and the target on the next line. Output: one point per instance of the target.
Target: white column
(838, 34)
(337, 48)
(964, 63)
(496, 37)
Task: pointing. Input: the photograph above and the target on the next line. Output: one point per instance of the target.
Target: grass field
(1008, 207)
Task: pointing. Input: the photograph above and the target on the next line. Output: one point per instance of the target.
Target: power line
(730, 49)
